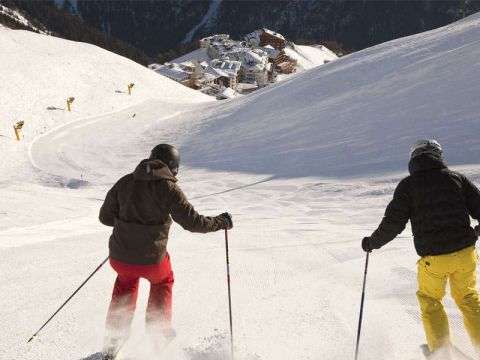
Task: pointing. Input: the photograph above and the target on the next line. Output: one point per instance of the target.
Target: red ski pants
(125, 292)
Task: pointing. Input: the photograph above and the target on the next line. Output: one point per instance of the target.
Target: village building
(210, 40)
(264, 37)
(253, 39)
(228, 70)
(229, 67)
(191, 74)
(218, 46)
(255, 65)
(269, 37)
(285, 64)
(172, 71)
(271, 52)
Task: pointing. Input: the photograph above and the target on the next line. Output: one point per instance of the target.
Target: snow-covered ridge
(19, 18)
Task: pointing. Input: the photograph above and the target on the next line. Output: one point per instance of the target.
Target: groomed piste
(306, 167)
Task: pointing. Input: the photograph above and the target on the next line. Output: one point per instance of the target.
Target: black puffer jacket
(438, 203)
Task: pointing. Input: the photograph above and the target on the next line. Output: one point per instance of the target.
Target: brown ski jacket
(140, 207)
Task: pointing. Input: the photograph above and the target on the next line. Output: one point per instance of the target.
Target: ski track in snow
(296, 262)
(210, 14)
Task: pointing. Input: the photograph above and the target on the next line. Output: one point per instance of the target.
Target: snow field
(40, 72)
(309, 57)
(306, 167)
(358, 115)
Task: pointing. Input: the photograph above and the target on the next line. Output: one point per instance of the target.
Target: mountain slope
(355, 24)
(358, 115)
(64, 22)
(296, 261)
(40, 72)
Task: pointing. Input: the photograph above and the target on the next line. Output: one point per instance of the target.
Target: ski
(160, 347)
(455, 351)
(111, 355)
(113, 352)
(425, 350)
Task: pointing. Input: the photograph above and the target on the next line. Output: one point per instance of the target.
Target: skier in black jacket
(438, 202)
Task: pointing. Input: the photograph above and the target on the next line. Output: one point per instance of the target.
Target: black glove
(477, 230)
(366, 244)
(226, 218)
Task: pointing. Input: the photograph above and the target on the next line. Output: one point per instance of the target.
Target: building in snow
(172, 71)
(285, 64)
(218, 46)
(191, 73)
(254, 65)
(228, 71)
(240, 66)
(253, 39)
(271, 52)
(217, 38)
(264, 37)
(269, 37)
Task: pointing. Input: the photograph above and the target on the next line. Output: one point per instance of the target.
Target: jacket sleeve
(395, 218)
(472, 198)
(110, 208)
(184, 214)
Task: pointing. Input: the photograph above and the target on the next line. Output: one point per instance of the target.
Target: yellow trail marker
(69, 103)
(130, 86)
(18, 129)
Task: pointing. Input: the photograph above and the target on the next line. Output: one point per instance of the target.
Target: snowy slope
(357, 115)
(310, 56)
(43, 71)
(305, 166)
(40, 72)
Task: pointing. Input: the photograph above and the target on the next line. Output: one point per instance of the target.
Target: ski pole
(66, 301)
(359, 330)
(229, 293)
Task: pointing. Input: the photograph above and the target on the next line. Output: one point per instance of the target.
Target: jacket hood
(152, 170)
(426, 162)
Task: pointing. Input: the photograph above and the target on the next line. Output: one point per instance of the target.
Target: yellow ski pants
(433, 273)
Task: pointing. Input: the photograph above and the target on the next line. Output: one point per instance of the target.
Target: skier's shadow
(96, 356)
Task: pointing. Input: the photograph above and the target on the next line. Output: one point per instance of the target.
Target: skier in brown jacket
(140, 207)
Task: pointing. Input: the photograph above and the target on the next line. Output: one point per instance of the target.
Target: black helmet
(169, 155)
(426, 146)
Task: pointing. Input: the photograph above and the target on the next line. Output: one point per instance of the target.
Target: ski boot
(111, 350)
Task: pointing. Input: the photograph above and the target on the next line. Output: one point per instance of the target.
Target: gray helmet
(169, 155)
(426, 146)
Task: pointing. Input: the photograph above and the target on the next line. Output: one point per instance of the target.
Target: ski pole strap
(66, 301)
